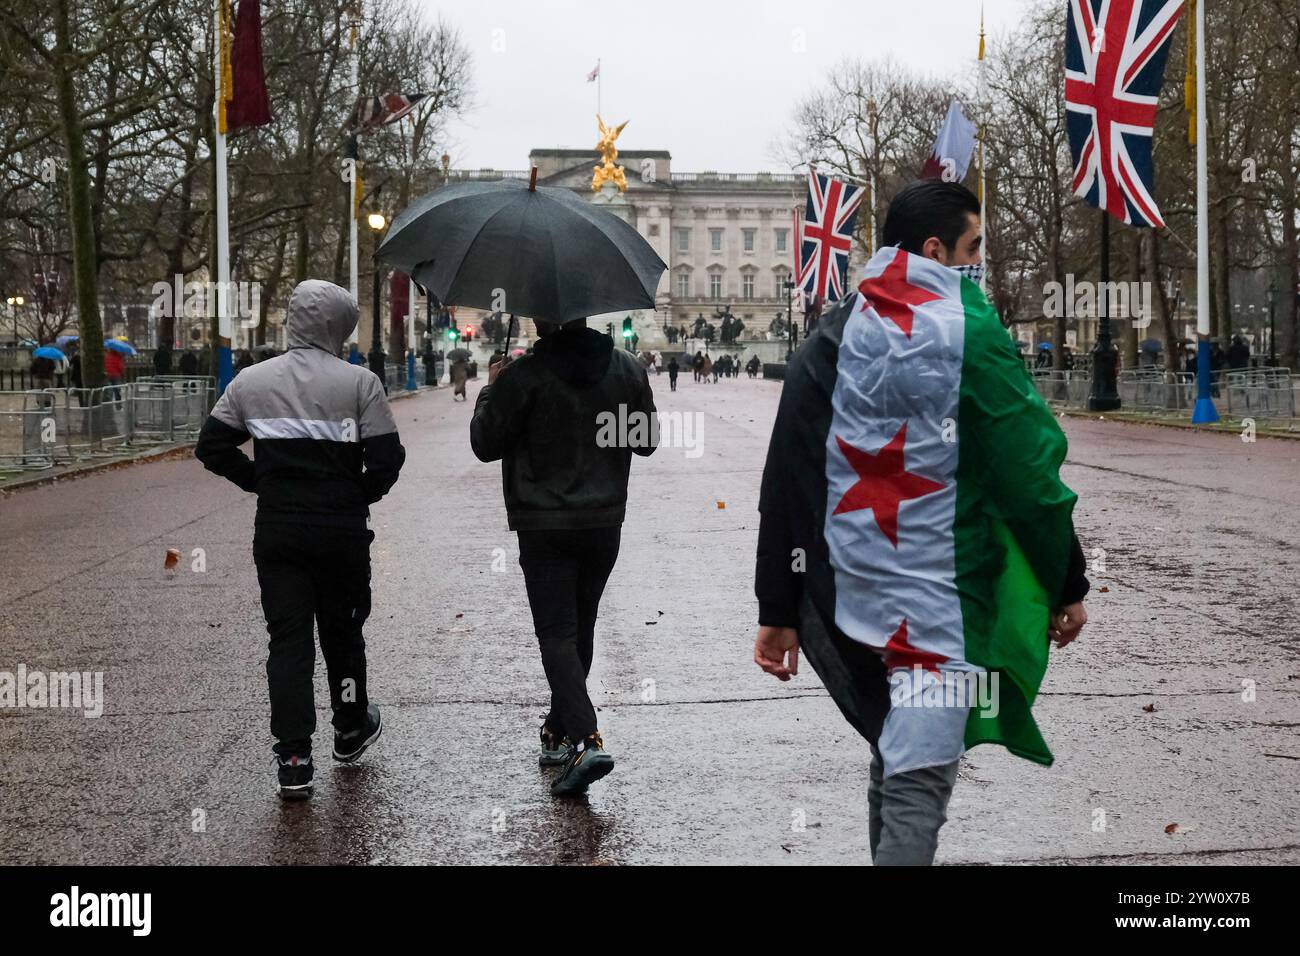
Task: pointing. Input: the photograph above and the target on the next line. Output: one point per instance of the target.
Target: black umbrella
(541, 252)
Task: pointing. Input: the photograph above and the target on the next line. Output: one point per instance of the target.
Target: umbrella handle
(510, 323)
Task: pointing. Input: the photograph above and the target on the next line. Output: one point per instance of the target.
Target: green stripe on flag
(1012, 528)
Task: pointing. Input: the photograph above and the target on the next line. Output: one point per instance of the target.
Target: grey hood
(321, 316)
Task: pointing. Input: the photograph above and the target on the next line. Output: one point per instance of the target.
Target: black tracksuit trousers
(313, 574)
(565, 572)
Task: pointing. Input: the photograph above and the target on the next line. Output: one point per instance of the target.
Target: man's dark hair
(925, 208)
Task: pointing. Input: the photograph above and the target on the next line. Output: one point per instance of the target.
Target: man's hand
(776, 650)
(1066, 623)
(497, 367)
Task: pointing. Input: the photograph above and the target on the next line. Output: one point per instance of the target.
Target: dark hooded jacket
(325, 444)
(550, 418)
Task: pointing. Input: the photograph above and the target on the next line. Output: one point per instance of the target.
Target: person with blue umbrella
(44, 361)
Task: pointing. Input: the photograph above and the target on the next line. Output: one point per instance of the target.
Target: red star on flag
(893, 297)
(883, 483)
(900, 653)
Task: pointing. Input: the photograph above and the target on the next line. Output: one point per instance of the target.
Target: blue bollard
(410, 372)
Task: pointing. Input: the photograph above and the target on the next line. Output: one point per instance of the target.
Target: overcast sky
(712, 81)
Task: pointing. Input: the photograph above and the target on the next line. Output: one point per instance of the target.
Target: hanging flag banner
(1115, 52)
(953, 147)
(826, 236)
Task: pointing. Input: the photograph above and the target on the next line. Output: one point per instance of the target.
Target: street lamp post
(1272, 328)
(1105, 394)
(789, 318)
(14, 302)
(377, 358)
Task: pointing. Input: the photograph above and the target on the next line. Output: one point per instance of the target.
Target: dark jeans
(565, 572)
(321, 574)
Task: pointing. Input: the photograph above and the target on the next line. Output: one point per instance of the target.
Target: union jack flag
(373, 111)
(1115, 53)
(826, 237)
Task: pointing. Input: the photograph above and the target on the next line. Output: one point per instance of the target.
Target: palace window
(780, 236)
(747, 285)
(715, 240)
(715, 285)
(683, 284)
(748, 238)
(683, 240)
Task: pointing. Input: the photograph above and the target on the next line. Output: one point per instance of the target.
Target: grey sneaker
(350, 746)
(555, 752)
(583, 768)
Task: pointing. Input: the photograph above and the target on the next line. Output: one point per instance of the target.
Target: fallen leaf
(1172, 828)
(460, 615)
(722, 505)
(1150, 708)
(1103, 590)
(173, 558)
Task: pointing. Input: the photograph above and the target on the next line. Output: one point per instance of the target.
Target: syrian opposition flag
(950, 157)
(914, 468)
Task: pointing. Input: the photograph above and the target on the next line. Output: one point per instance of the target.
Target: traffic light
(469, 333)
(627, 327)
(609, 329)
(453, 333)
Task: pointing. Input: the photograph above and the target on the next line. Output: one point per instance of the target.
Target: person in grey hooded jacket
(325, 449)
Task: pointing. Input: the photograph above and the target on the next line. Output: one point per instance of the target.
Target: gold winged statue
(607, 172)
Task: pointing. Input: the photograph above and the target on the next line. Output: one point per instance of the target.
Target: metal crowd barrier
(1258, 393)
(26, 422)
(1240, 393)
(41, 428)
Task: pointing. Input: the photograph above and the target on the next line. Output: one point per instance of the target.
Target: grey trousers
(905, 812)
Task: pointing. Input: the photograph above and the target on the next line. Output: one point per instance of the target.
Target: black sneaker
(555, 752)
(350, 746)
(295, 775)
(583, 768)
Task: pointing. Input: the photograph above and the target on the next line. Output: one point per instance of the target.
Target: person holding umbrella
(565, 481)
(563, 421)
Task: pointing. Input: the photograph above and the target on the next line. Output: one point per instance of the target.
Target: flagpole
(1204, 410)
(225, 366)
(352, 182)
(983, 94)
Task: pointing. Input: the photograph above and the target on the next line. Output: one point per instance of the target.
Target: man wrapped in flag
(916, 540)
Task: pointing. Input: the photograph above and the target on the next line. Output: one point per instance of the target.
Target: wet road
(1197, 535)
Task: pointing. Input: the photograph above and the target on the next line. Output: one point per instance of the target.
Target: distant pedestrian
(1238, 354)
(565, 422)
(673, 369)
(459, 376)
(115, 372)
(162, 359)
(245, 361)
(354, 355)
(326, 449)
(189, 363)
(42, 370)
